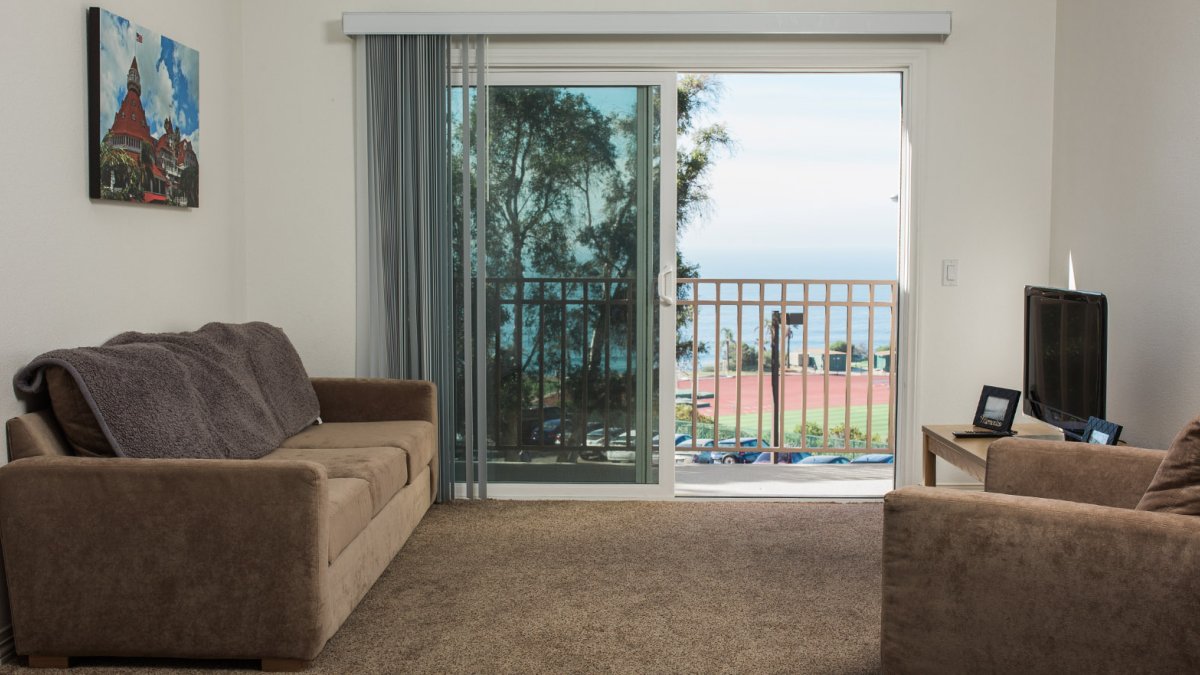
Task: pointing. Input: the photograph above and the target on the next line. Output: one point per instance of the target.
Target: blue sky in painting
(170, 75)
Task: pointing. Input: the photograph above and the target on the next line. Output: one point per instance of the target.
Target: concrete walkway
(855, 481)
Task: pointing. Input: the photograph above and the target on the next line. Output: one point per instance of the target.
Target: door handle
(666, 289)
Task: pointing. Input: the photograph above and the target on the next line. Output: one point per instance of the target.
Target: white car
(619, 452)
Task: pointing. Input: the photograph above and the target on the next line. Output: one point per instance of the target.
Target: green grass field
(792, 419)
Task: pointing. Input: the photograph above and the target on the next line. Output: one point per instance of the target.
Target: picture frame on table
(997, 409)
(1101, 432)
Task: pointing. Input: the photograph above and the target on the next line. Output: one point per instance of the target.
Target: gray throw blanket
(224, 391)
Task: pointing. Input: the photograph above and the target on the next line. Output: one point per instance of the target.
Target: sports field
(721, 400)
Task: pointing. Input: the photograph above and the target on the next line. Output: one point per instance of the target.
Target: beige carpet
(613, 587)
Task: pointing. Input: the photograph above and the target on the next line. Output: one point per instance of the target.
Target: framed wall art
(143, 114)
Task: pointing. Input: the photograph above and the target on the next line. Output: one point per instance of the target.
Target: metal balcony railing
(744, 389)
(789, 365)
(561, 355)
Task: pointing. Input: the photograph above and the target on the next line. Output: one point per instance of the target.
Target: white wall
(1125, 199)
(75, 271)
(984, 179)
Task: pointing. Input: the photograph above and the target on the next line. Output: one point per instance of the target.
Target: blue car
(825, 459)
(740, 456)
(704, 456)
(783, 457)
(874, 458)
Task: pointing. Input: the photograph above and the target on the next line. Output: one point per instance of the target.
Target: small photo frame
(1101, 432)
(997, 409)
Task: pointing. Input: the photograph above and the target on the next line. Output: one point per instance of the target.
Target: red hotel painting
(143, 114)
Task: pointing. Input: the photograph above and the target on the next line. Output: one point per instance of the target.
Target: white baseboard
(976, 487)
(8, 648)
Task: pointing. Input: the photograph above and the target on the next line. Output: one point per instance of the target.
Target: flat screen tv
(1066, 357)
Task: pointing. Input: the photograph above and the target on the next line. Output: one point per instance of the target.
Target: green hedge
(791, 438)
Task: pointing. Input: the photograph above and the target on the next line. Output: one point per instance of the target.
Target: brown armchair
(1049, 570)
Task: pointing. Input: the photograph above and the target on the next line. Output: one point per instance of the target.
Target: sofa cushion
(384, 469)
(75, 416)
(350, 511)
(1176, 486)
(414, 437)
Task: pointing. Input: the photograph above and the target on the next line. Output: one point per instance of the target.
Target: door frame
(666, 58)
(765, 54)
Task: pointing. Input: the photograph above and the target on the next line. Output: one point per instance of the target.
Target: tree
(562, 202)
(189, 182)
(857, 352)
(698, 148)
(118, 170)
(548, 148)
(147, 165)
(552, 153)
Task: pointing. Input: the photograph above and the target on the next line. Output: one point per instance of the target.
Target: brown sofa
(214, 558)
(1049, 570)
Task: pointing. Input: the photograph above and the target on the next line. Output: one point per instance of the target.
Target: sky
(170, 74)
(808, 191)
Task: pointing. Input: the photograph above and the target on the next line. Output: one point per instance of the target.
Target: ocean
(776, 264)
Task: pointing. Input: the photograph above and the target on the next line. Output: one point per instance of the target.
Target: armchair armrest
(375, 400)
(978, 582)
(1076, 472)
(164, 557)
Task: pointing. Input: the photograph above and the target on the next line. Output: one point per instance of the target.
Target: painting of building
(144, 114)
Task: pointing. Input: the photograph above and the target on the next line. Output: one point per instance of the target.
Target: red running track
(792, 388)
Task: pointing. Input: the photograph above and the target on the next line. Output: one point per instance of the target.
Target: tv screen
(1066, 356)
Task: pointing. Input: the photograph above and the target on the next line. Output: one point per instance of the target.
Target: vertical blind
(409, 220)
(409, 319)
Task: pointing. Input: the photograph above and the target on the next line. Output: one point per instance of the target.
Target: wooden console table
(970, 454)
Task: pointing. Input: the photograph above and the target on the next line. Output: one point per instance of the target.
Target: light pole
(792, 319)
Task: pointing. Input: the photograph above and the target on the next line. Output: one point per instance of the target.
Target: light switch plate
(950, 272)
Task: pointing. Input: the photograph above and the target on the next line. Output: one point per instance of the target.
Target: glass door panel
(572, 241)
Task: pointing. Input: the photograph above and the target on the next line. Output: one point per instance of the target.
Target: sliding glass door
(577, 231)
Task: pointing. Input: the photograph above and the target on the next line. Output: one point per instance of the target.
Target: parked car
(825, 459)
(704, 456)
(550, 433)
(618, 451)
(783, 457)
(740, 456)
(616, 436)
(874, 458)
(532, 421)
(684, 440)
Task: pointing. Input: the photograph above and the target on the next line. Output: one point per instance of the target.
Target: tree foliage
(857, 352)
(549, 148)
(562, 202)
(120, 175)
(699, 146)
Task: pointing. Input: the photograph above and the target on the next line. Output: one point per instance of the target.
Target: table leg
(929, 462)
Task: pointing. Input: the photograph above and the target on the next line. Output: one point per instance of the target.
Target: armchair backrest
(1075, 472)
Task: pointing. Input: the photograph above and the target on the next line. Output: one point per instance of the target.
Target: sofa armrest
(978, 582)
(1076, 472)
(165, 557)
(375, 399)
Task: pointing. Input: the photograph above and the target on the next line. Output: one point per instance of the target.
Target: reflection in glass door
(573, 251)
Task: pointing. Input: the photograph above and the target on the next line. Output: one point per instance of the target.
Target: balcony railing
(797, 365)
(791, 365)
(563, 372)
